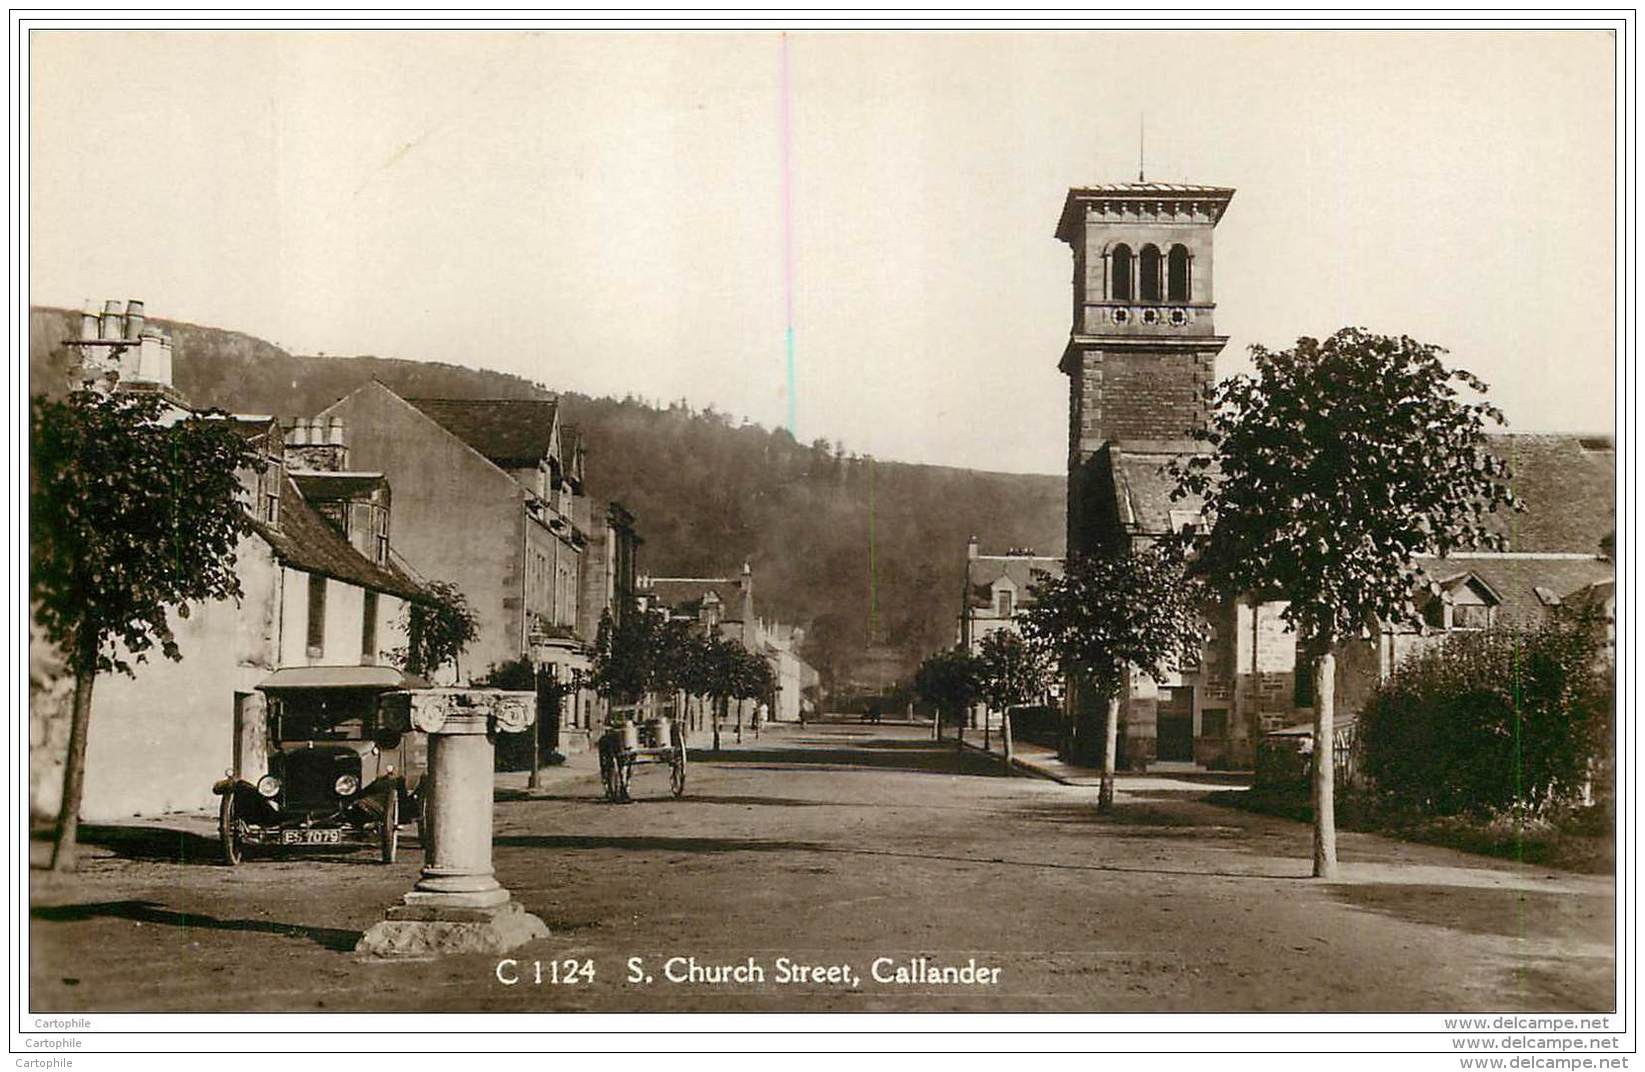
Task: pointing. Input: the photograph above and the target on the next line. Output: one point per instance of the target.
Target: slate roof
(305, 541)
(1568, 486)
(984, 570)
(681, 593)
(1515, 580)
(1144, 490)
(1566, 482)
(511, 433)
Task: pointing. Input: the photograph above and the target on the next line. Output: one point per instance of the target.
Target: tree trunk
(64, 855)
(1110, 753)
(1325, 818)
(1005, 737)
(718, 709)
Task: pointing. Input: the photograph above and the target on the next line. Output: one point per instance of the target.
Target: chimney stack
(971, 548)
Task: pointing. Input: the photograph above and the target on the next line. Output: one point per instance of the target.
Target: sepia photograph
(789, 518)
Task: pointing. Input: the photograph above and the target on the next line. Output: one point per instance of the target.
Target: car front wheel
(391, 825)
(228, 831)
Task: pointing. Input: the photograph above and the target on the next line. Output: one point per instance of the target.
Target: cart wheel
(391, 825)
(676, 771)
(424, 825)
(228, 831)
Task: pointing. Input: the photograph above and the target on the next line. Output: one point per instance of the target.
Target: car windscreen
(323, 714)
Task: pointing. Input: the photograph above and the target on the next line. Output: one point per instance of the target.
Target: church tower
(1143, 345)
(1142, 349)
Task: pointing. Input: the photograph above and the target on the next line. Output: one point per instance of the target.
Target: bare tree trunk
(1005, 737)
(64, 856)
(1110, 754)
(718, 710)
(1325, 818)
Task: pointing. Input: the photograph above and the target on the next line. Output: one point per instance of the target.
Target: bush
(1511, 720)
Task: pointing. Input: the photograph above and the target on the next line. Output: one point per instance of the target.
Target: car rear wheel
(228, 831)
(391, 825)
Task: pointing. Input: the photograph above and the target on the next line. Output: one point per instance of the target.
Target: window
(1176, 271)
(1470, 616)
(316, 616)
(1119, 273)
(1149, 271)
(380, 529)
(1003, 597)
(1213, 722)
(1302, 693)
(368, 630)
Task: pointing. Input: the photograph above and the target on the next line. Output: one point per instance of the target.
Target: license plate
(311, 837)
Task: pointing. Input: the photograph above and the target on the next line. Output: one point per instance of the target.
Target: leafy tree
(131, 518)
(1335, 464)
(1013, 671)
(438, 631)
(624, 659)
(951, 681)
(1128, 608)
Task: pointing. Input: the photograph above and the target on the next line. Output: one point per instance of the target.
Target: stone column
(457, 905)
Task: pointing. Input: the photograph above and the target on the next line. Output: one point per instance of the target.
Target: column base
(436, 930)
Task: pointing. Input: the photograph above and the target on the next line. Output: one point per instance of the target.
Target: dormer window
(1003, 602)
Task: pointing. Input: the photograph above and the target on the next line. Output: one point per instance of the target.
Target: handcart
(624, 746)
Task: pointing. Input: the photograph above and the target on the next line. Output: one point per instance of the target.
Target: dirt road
(866, 850)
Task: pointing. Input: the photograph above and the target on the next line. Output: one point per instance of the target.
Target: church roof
(1212, 200)
(1514, 581)
(1566, 483)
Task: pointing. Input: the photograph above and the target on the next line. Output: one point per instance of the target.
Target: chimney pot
(113, 323)
(336, 430)
(134, 319)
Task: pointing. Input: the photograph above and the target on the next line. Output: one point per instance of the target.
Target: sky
(650, 213)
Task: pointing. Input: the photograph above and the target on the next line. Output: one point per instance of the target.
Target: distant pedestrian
(874, 712)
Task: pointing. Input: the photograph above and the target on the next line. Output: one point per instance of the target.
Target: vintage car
(340, 771)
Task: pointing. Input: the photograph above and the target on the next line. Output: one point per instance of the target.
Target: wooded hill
(866, 555)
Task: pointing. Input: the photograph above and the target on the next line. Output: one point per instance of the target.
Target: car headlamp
(347, 785)
(268, 785)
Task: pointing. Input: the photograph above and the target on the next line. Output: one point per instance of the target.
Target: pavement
(903, 875)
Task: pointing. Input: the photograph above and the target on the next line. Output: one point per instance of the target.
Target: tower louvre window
(1119, 273)
(1149, 270)
(1176, 271)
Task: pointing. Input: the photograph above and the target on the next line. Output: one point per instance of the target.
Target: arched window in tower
(1176, 273)
(1119, 273)
(1149, 266)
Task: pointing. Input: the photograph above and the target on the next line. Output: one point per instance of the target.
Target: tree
(1127, 608)
(951, 681)
(438, 631)
(1335, 464)
(625, 662)
(131, 519)
(1013, 671)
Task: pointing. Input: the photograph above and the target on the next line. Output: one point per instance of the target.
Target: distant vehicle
(339, 773)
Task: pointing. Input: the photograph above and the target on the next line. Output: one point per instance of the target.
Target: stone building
(997, 589)
(490, 496)
(319, 590)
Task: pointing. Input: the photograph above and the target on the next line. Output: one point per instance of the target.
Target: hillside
(708, 491)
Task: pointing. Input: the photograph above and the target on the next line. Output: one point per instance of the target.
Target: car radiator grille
(311, 776)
